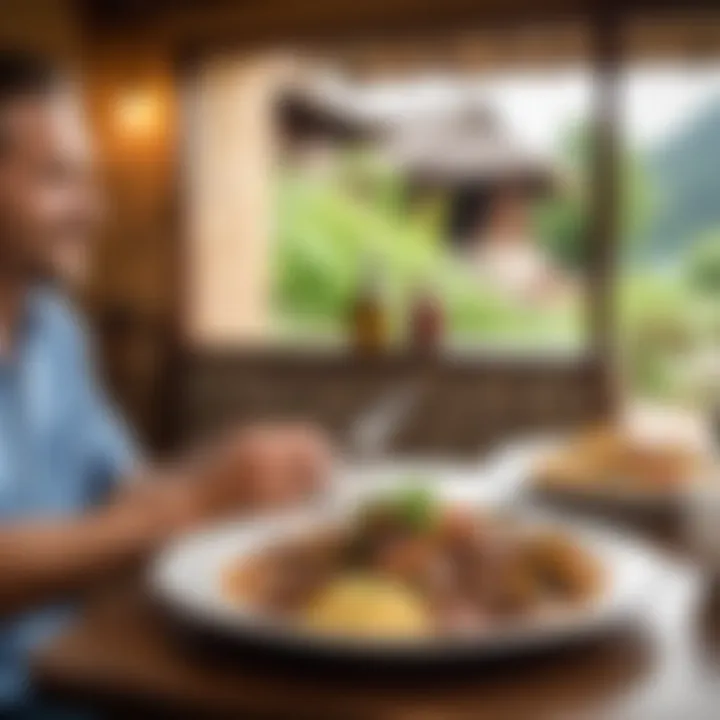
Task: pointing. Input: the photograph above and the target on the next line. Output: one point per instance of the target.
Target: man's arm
(42, 560)
(47, 559)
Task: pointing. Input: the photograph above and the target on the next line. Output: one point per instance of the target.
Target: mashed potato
(367, 606)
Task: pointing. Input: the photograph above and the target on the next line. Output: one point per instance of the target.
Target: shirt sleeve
(109, 452)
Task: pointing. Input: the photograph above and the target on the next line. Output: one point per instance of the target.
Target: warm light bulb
(138, 113)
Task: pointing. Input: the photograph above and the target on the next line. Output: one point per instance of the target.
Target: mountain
(684, 173)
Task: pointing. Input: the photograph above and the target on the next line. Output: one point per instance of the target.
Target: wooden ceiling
(279, 20)
(396, 36)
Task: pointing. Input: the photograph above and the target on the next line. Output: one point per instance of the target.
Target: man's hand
(265, 466)
(252, 469)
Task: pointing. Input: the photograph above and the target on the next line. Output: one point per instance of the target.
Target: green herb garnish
(416, 508)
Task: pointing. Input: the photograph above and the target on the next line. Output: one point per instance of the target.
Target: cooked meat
(470, 571)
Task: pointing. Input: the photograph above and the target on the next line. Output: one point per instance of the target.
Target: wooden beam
(380, 36)
(203, 22)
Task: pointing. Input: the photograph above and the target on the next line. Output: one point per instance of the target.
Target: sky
(657, 101)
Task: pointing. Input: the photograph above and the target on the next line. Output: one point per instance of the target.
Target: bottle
(370, 322)
(426, 320)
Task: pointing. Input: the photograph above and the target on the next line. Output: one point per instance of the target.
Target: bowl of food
(403, 575)
(615, 465)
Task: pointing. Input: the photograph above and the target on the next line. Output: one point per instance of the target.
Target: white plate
(187, 578)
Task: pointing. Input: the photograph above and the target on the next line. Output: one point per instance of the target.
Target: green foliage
(665, 321)
(703, 264)
(563, 220)
(562, 227)
(329, 226)
(656, 328)
(328, 230)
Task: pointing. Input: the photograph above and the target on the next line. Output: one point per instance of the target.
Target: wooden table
(123, 657)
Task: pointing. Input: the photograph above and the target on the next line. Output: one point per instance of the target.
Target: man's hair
(24, 75)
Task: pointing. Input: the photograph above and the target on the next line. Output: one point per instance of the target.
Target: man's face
(48, 203)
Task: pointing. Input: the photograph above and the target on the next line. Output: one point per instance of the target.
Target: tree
(564, 220)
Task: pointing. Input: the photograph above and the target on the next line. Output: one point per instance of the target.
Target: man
(75, 503)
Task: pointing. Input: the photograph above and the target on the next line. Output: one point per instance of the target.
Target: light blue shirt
(61, 449)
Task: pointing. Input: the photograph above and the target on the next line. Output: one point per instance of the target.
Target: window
(668, 287)
(461, 176)
(468, 186)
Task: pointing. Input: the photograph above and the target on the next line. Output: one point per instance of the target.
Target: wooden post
(230, 200)
(604, 226)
